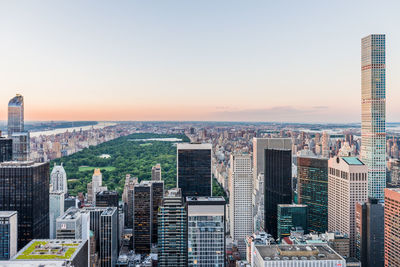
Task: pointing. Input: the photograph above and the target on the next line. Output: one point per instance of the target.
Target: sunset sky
(193, 60)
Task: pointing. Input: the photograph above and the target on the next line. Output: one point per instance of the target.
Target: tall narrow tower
(15, 115)
(373, 102)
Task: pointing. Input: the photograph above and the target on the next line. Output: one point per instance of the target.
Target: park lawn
(89, 168)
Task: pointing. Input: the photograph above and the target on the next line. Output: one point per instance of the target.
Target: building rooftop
(292, 205)
(205, 200)
(108, 211)
(297, 252)
(50, 249)
(7, 213)
(71, 214)
(188, 146)
(20, 164)
(352, 161)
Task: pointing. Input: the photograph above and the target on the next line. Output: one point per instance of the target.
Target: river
(99, 125)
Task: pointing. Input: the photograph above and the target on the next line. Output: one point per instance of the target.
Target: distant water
(99, 125)
(157, 139)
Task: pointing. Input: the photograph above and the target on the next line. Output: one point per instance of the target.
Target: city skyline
(297, 62)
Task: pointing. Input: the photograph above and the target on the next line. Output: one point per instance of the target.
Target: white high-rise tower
(240, 207)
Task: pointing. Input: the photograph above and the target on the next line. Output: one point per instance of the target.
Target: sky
(289, 61)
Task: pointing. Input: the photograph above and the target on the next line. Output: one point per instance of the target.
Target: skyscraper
(370, 233)
(172, 230)
(157, 188)
(107, 199)
(15, 115)
(240, 195)
(206, 231)
(56, 203)
(194, 169)
(347, 185)
(373, 110)
(15, 129)
(291, 216)
(109, 237)
(259, 146)
(25, 189)
(95, 186)
(8, 234)
(58, 179)
(69, 225)
(142, 217)
(127, 198)
(312, 188)
(392, 227)
(278, 185)
(156, 172)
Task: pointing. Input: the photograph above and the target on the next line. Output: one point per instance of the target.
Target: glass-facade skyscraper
(373, 112)
(194, 169)
(312, 188)
(278, 185)
(172, 230)
(24, 187)
(15, 129)
(15, 115)
(8, 234)
(206, 231)
(291, 216)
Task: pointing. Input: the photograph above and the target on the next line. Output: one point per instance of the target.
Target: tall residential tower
(373, 109)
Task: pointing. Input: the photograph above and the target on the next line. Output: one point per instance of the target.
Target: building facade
(8, 234)
(142, 217)
(6, 149)
(172, 230)
(109, 237)
(157, 188)
(107, 199)
(58, 179)
(194, 169)
(312, 188)
(156, 172)
(370, 233)
(206, 231)
(259, 146)
(278, 185)
(291, 216)
(392, 227)
(56, 203)
(25, 189)
(347, 185)
(373, 112)
(240, 195)
(15, 129)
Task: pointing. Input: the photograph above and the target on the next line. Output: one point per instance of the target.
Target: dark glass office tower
(24, 187)
(194, 169)
(6, 151)
(291, 216)
(95, 221)
(370, 233)
(142, 217)
(312, 190)
(278, 185)
(158, 195)
(172, 231)
(109, 237)
(107, 199)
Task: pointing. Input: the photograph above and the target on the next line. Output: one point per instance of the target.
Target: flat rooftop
(7, 213)
(20, 164)
(205, 200)
(71, 214)
(297, 252)
(50, 249)
(108, 211)
(189, 146)
(292, 205)
(352, 161)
